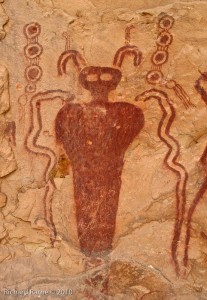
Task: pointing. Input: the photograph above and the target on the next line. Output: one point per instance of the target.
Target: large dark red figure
(95, 137)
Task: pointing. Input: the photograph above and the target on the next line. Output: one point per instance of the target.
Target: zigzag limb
(47, 200)
(31, 144)
(31, 141)
(170, 160)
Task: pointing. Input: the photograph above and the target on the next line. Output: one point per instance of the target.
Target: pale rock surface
(3, 200)
(7, 159)
(140, 264)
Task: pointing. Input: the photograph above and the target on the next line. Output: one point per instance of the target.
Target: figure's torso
(98, 129)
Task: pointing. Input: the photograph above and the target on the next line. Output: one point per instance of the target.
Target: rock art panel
(82, 133)
(107, 200)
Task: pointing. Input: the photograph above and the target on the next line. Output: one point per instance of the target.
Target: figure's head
(99, 78)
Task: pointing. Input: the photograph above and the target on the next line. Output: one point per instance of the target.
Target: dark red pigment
(95, 137)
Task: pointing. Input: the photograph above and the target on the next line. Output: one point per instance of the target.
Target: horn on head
(76, 57)
(127, 50)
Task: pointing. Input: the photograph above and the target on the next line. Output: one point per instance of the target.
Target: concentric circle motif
(33, 50)
(33, 73)
(160, 57)
(154, 77)
(30, 88)
(164, 39)
(166, 22)
(32, 30)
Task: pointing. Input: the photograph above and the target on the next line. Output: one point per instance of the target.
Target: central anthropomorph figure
(95, 137)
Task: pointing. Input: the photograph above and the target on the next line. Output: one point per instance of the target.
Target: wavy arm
(168, 116)
(31, 144)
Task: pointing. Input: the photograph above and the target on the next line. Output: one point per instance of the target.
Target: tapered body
(95, 137)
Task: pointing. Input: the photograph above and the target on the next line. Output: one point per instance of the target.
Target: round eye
(106, 76)
(92, 77)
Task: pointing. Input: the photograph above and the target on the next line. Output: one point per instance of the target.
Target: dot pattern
(160, 56)
(32, 52)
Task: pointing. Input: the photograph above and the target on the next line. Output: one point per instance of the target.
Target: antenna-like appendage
(76, 57)
(127, 50)
(68, 54)
(66, 36)
(128, 34)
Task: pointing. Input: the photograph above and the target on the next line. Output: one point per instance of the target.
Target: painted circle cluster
(32, 30)
(160, 56)
(32, 51)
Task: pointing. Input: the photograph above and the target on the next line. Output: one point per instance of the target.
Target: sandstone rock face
(103, 149)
